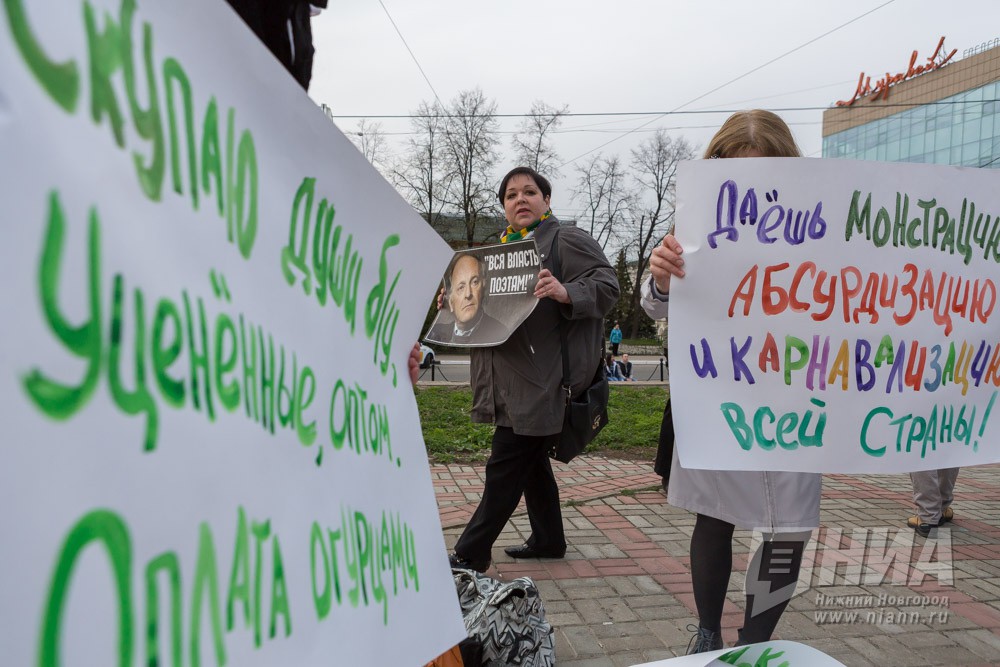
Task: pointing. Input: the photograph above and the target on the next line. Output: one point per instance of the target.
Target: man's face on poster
(466, 290)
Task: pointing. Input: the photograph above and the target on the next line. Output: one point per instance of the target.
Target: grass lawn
(632, 432)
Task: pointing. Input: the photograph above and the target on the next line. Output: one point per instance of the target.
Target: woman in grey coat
(782, 505)
(517, 385)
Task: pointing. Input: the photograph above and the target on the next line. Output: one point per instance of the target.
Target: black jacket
(518, 384)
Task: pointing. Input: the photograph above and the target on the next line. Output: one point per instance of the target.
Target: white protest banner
(779, 653)
(836, 316)
(211, 452)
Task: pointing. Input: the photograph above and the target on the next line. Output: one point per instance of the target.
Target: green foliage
(625, 310)
(632, 432)
(641, 342)
(449, 433)
(646, 326)
(622, 311)
(634, 416)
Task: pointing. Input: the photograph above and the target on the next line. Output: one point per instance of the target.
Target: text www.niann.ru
(881, 617)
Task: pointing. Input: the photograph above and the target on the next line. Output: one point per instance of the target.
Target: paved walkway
(870, 593)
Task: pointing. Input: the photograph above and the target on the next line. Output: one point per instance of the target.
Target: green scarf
(516, 235)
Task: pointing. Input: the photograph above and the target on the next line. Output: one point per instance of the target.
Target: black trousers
(284, 27)
(518, 465)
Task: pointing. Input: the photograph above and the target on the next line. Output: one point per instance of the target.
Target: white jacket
(768, 501)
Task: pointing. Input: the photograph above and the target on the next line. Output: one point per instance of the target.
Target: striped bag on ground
(507, 618)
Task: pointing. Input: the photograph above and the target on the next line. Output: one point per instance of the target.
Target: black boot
(704, 640)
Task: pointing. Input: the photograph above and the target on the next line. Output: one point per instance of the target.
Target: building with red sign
(937, 108)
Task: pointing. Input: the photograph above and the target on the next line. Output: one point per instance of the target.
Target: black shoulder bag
(586, 414)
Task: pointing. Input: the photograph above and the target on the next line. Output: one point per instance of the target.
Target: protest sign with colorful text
(836, 316)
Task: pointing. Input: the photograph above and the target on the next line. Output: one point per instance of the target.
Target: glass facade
(961, 130)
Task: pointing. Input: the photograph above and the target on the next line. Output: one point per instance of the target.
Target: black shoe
(528, 551)
(704, 640)
(457, 562)
(741, 640)
(924, 529)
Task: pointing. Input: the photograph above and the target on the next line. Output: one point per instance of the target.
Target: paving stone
(987, 637)
(579, 582)
(582, 641)
(556, 606)
(550, 591)
(661, 612)
(623, 585)
(884, 651)
(560, 619)
(592, 613)
(631, 643)
(652, 655)
(564, 650)
(836, 648)
(672, 633)
(610, 629)
(638, 521)
(618, 611)
(622, 595)
(641, 601)
(585, 662)
(592, 592)
(801, 625)
(990, 590)
(947, 655)
(983, 643)
(919, 639)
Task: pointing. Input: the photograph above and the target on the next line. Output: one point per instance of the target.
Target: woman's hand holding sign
(413, 363)
(548, 286)
(665, 262)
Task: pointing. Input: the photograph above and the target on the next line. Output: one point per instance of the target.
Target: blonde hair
(753, 130)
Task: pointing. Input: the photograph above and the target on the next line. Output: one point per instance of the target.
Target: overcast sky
(626, 56)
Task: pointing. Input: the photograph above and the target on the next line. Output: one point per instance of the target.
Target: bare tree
(532, 144)
(470, 141)
(654, 168)
(603, 193)
(370, 140)
(421, 175)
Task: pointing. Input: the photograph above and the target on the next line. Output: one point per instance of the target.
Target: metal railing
(435, 369)
(654, 371)
(660, 367)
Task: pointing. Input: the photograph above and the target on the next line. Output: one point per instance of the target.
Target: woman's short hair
(542, 182)
(753, 130)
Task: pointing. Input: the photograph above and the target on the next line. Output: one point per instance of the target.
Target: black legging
(712, 564)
